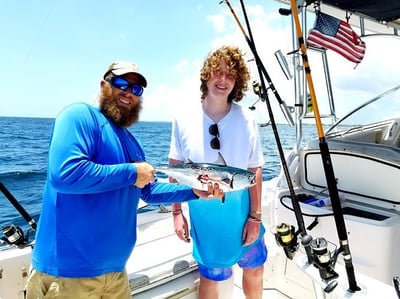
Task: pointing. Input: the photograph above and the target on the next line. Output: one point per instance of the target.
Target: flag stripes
(337, 35)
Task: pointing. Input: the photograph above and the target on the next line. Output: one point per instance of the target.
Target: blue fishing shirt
(87, 226)
(216, 229)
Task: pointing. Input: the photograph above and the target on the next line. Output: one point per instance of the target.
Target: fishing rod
(14, 235)
(261, 68)
(326, 160)
(17, 205)
(286, 235)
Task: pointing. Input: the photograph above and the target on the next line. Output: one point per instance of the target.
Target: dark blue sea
(23, 158)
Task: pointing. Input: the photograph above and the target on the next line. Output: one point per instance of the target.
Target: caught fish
(198, 175)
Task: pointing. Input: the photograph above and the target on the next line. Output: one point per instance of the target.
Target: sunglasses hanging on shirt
(214, 143)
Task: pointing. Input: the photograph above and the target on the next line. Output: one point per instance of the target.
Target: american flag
(338, 36)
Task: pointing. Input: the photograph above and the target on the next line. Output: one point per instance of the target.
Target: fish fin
(231, 181)
(228, 181)
(220, 160)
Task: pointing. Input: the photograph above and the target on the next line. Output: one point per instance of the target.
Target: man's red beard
(120, 116)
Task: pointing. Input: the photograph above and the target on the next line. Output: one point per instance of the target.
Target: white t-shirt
(216, 227)
(238, 136)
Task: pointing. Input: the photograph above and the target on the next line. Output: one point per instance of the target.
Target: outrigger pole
(286, 235)
(326, 160)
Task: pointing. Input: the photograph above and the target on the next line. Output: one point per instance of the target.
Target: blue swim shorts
(255, 257)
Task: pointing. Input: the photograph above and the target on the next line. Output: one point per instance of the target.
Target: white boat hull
(161, 266)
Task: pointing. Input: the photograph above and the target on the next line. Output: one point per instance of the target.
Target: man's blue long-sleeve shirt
(88, 223)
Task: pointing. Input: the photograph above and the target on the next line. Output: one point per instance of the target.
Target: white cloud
(164, 100)
(218, 22)
(171, 57)
(351, 86)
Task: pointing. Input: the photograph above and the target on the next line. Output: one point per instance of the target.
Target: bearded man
(97, 172)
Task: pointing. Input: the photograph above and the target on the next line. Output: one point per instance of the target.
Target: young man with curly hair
(229, 232)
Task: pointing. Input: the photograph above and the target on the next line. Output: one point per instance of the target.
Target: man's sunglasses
(214, 143)
(124, 85)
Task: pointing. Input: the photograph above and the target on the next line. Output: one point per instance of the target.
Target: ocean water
(23, 158)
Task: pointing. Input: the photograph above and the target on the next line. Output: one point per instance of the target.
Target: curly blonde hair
(233, 58)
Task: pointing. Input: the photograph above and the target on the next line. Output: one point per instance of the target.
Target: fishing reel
(14, 235)
(257, 88)
(322, 259)
(287, 238)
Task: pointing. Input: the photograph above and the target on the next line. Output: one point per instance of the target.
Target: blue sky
(54, 53)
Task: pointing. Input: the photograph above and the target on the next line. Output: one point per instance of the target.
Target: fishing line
(290, 245)
(326, 159)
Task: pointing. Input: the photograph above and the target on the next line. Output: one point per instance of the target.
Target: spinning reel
(14, 235)
(286, 237)
(323, 259)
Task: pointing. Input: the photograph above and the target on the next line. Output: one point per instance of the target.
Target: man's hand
(213, 191)
(145, 174)
(181, 226)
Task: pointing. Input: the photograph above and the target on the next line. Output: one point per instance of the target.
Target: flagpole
(326, 160)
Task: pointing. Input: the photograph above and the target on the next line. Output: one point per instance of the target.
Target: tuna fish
(197, 175)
